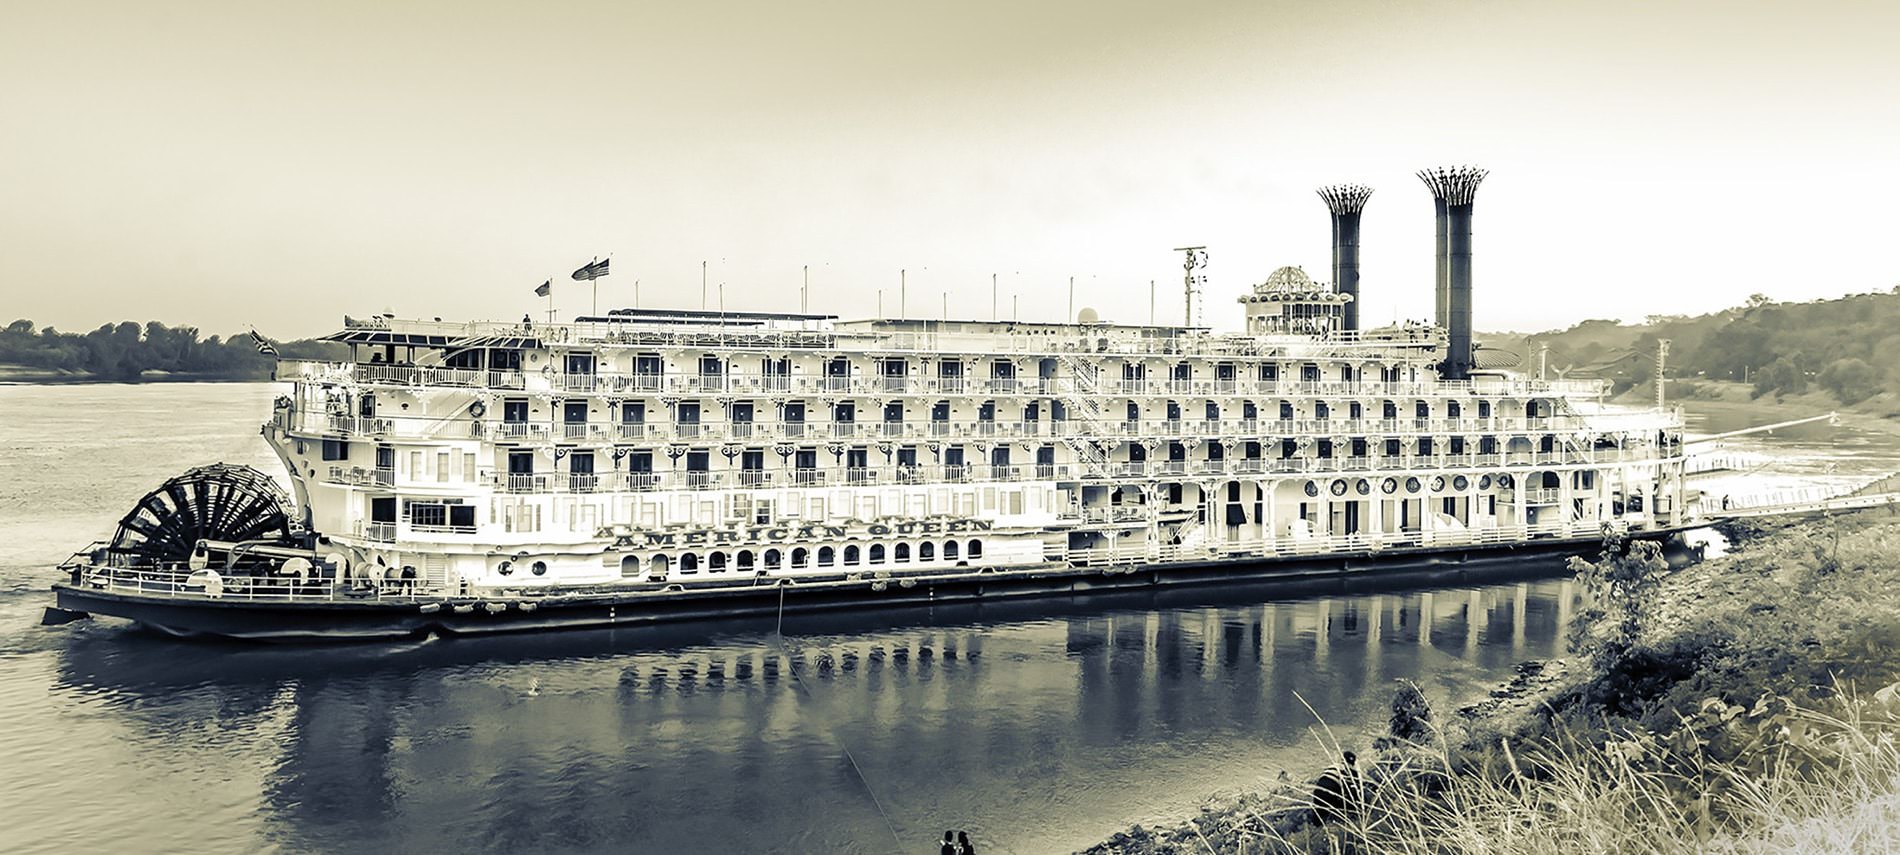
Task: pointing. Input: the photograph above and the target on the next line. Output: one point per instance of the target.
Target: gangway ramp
(1798, 504)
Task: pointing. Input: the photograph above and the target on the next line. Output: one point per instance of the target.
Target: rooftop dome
(1288, 279)
(1088, 316)
(1292, 285)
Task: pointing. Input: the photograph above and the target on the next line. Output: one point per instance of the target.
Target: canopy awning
(400, 339)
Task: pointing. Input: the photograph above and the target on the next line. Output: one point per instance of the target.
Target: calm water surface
(1038, 727)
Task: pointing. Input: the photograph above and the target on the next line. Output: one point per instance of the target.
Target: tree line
(126, 350)
(1848, 347)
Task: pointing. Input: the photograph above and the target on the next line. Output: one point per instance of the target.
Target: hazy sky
(281, 164)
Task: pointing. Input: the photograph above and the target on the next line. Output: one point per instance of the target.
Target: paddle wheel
(220, 502)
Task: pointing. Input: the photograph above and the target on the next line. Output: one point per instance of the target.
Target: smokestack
(1442, 266)
(1346, 201)
(1455, 189)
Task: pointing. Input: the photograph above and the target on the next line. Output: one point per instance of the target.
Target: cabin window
(851, 555)
(689, 563)
(772, 559)
(745, 560)
(801, 558)
(926, 551)
(900, 554)
(629, 566)
(716, 562)
(949, 550)
(826, 556)
(976, 549)
(877, 553)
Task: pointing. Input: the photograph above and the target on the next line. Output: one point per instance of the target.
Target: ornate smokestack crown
(1345, 198)
(1457, 185)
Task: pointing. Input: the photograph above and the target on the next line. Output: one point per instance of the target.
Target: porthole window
(1411, 485)
(506, 568)
(1460, 483)
(1438, 483)
(1312, 489)
(1363, 487)
(1484, 482)
(540, 568)
(1389, 486)
(1339, 488)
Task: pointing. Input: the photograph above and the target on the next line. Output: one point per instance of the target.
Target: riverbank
(1748, 715)
(22, 375)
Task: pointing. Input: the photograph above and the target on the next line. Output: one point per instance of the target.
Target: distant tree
(1757, 300)
(1851, 380)
(1781, 377)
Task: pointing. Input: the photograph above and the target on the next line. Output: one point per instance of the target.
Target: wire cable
(799, 686)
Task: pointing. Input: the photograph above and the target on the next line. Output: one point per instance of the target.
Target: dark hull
(371, 619)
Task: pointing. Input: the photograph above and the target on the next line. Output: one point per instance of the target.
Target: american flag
(263, 346)
(593, 270)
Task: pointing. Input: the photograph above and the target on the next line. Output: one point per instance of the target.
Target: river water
(1037, 727)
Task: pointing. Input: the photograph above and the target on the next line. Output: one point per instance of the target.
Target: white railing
(180, 584)
(1086, 426)
(1144, 552)
(869, 383)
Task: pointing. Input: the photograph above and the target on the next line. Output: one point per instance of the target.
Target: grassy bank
(1739, 705)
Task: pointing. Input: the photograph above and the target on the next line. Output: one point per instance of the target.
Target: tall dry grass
(1823, 780)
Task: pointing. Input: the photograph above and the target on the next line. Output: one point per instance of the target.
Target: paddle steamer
(649, 464)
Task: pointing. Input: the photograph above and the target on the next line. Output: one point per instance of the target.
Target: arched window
(976, 549)
(716, 562)
(801, 557)
(629, 566)
(689, 563)
(851, 555)
(826, 556)
(745, 560)
(926, 551)
(900, 553)
(772, 559)
(949, 550)
(877, 553)
(659, 565)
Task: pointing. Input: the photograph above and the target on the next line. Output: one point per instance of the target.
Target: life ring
(478, 409)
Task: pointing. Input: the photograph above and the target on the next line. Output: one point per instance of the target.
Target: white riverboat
(472, 476)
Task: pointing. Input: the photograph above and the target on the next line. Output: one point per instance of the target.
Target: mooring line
(798, 681)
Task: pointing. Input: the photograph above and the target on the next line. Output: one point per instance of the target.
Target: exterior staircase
(1081, 394)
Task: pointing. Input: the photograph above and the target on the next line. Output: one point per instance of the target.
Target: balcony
(359, 476)
(521, 430)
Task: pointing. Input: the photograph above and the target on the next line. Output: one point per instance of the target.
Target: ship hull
(364, 620)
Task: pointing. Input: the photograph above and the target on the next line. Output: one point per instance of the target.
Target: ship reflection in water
(1037, 734)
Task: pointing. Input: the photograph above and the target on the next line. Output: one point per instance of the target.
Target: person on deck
(964, 846)
(949, 844)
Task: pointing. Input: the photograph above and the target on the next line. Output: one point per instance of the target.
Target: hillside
(1847, 348)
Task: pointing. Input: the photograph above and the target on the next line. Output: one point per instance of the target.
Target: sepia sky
(280, 164)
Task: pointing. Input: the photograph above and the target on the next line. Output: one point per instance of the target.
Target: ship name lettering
(659, 539)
